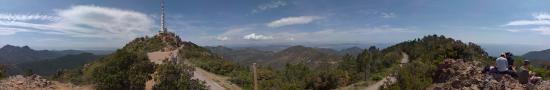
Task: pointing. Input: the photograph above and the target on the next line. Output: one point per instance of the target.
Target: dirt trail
(213, 81)
(158, 56)
(203, 76)
(390, 79)
(65, 86)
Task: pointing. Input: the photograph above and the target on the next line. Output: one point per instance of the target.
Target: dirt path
(204, 76)
(65, 86)
(390, 79)
(158, 56)
(213, 81)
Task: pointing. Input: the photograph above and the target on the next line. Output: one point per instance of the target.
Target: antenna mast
(162, 22)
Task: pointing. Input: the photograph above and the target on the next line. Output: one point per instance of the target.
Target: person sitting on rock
(510, 59)
(525, 75)
(502, 65)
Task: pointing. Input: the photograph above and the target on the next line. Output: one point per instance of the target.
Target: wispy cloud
(529, 22)
(254, 36)
(540, 23)
(85, 21)
(23, 17)
(542, 16)
(332, 35)
(222, 38)
(377, 13)
(293, 21)
(388, 15)
(11, 31)
(270, 5)
(544, 30)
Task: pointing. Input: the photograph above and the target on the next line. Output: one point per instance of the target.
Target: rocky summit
(468, 75)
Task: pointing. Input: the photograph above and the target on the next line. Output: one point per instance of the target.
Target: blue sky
(104, 24)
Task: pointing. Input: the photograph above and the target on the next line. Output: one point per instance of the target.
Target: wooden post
(255, 76)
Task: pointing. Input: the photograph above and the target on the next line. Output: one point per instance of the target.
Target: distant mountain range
(44, 62)
(10, 54)
(538, 56)
(491, 49)
(50, 66)
(13, 54)
(311, 56)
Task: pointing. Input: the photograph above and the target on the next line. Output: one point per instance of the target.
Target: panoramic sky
(107, 24)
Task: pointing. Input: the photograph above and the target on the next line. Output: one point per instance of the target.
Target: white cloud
(291, 38)
(293, 21)
(22, 17)
(270, 5)
(343, 35)
(254, 36)
(540, 23)
(96, 21)
(222, 38)
(11, 31)
(542, 30)
(542, 16)
(529, 22)
(388, 15)
(88, 21)
(539, 19)
(513, 30)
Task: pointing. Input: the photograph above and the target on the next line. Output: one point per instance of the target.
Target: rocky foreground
(36, 82)
(467, 75)
(20, 82)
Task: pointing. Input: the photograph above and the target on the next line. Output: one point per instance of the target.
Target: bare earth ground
(214, 82)
(203, 76)
(65, 86)
(158, 56)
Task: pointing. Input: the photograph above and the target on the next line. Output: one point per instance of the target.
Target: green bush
(176, 77)
(121, 70)
(414, 76)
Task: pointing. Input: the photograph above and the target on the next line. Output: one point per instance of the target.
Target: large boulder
(468, 75)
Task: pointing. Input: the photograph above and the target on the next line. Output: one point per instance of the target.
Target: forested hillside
(427, 52)
(49, 67)
(311, 56)
(129, 67)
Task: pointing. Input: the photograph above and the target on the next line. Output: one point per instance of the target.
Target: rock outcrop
(467, 75)
(19, 82)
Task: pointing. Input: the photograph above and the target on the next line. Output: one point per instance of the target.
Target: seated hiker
(510, 59)
(526, 76)
(523, 73)
(502, 66)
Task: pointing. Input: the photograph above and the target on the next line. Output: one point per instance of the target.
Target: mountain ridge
(539, 57)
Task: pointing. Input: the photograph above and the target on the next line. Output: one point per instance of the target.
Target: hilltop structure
(162, 22)
(170, 38)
